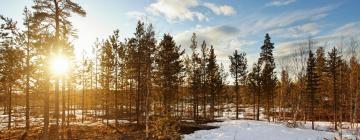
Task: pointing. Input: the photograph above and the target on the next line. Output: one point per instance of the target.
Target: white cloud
(225, 39)
(182, 10)
(304, 30)
(280, 2)
(176, 10)
(349, 29)
(334, 38)
(215, 35)
(221, 9)
(292, 17)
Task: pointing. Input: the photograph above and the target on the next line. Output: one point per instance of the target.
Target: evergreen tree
(255, 87)
(26, 39)
(55, 14)
(238, 68)
(268, 75)
(203, 69)
(285, 88)
(169, 69)
(320, 71)
(149, 59)
(195, 76)
(116, 48)
(333, 65)
(10, 60)
(107, 68)
(212, 79)
(311, 85)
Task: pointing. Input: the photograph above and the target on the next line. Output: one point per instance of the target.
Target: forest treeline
(153, 82)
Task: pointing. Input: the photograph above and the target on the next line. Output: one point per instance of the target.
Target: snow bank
(256, 130)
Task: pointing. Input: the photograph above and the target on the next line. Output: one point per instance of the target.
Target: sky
(228, 25)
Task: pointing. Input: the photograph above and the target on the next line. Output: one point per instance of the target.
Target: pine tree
(284, 86)
(220, 90)
(27, 41)
(195, 78)
(333, 65)
(311, 85)
(212, 79)
(130, 71)
(107, 67)
(238, 68)
(10, 72)
(116, 48)
(320, 71)
(203, 69)
(255, 87)
(55, 13)
(268, 75)
(169, 69)
(10, 60)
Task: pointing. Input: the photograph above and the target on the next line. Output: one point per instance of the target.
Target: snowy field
(228, 130)
(259, 130)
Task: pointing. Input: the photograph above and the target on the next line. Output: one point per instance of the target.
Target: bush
(165, 128)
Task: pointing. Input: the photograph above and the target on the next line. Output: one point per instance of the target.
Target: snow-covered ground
(257, 130)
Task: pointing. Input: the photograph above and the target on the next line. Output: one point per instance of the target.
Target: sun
(59, 65)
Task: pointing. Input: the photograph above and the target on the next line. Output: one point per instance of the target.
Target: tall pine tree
(268, 75)
(311, 85)
(333, 68)
(238, 68)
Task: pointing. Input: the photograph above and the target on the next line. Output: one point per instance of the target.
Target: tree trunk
(258, 105)
(27, 87)
(116, 95)
(57, 103)
(9, 109)
(68, 102)
(46, 113)
(237, 100)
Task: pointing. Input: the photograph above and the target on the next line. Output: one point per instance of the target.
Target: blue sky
(226, 24)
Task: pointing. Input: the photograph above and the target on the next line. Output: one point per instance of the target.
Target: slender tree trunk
(138, 95)
(254, 106)
(83, 91)
(116, 94)
(27, 86)
(312, 111)
(63, 102)
(46, 113)
(258, 105)
(204, 100)
(57, 103)
(68, 102)
(237, 97)
(268, 107)
(335, 102)
(147, 106)
(9, 109)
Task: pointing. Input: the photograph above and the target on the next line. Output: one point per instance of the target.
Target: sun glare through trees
(179, 69)
(59, 65)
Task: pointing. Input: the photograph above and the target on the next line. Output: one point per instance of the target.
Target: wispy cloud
(176, 10)
(334, 38)
(187, 10)
(280, 2)
(224, 38)
(227, 38)
(303, 30)
(220, 9)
